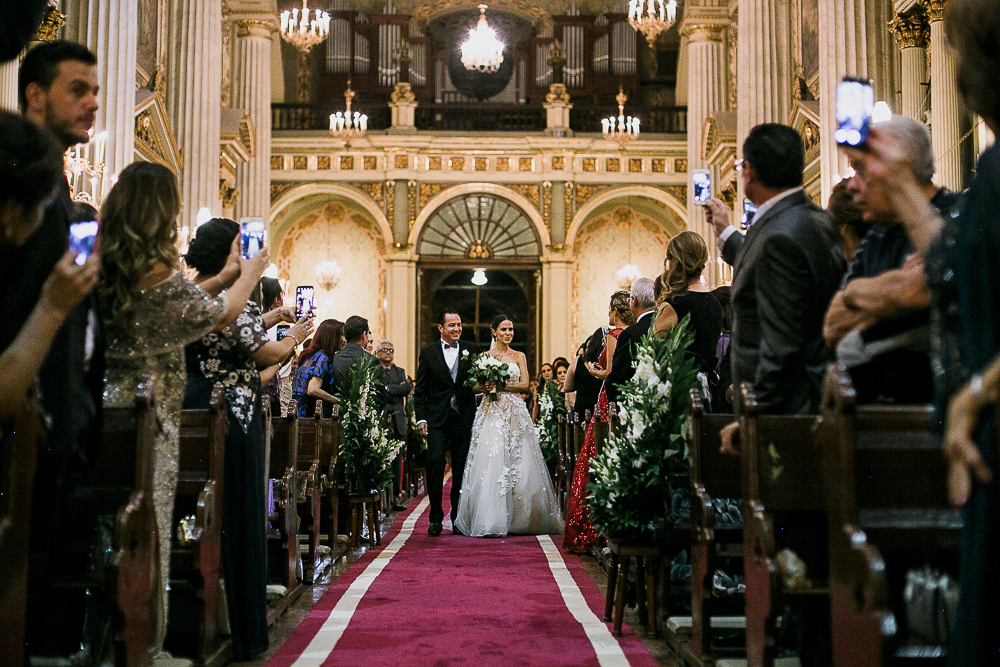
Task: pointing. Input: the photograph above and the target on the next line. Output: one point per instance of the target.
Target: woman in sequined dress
(233, 357)
(580, 534)
(153, 311)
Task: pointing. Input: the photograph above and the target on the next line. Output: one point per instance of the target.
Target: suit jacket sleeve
(420, 394)
(398, 387)
(621, 366)
(783, 298)
(731, 248)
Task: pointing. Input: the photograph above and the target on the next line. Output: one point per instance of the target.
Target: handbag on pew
(931, 599)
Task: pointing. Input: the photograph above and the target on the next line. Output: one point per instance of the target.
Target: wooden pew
(200, 480)
(283, 550)
(307, 464)
(887, 495)
(712, 475)
(17, 471)
(331, 471)
(782, 472)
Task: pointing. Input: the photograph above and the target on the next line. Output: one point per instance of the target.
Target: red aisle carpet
(420, 601)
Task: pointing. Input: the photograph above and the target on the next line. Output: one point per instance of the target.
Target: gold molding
(557, 93)
(227, 194)
(373, 190)
(279, 188)
(568, 204)
(911, 30)
(704, 32)
(527, 190)
(935, 9)
(585, 192)
(402, 93)
(411, 206)
(246, 26)
(52, 22)
(678, 192)
(547, 205)
(390, 203)
(430, 190)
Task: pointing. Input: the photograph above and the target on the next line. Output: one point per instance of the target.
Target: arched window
(479, 226)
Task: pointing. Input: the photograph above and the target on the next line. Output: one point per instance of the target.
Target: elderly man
(398, 388)
(879, 321)
(642, 303)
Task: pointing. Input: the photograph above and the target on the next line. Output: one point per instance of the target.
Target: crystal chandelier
(328, 274)
(86, 172)
(622, 129)
(302, 32)
(346, 126)
(651, 17)
(627, 275)
(482, 52)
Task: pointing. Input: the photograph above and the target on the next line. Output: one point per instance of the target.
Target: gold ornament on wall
(53, 21)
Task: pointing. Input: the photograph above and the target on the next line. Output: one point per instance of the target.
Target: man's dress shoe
(435, 529)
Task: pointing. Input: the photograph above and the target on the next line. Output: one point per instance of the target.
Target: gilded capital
(255, 28)
(935, 9)
(557, 93)
(52, 22)
(402, 93)
(911, 30)
(704, 32)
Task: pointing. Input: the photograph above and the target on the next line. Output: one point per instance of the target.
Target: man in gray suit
(398, 388)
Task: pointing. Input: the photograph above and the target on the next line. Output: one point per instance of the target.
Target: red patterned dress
(580, 534)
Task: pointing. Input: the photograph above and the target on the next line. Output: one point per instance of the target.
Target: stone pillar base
(403, 104)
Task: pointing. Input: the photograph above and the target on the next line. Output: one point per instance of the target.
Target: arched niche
(289, 206)
(633, 194)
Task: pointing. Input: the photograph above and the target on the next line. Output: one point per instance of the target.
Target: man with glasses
(398, 388)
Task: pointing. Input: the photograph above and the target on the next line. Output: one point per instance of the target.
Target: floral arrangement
(629, 497)
(551, 404)
(366, 447)
(487, 369)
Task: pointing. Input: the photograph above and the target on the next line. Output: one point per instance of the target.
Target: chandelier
(85, 170)
(651, 17)
(328, 274)
(482, 52)
(346, 126)
(627, 275)
(622, 129)
(302, 32)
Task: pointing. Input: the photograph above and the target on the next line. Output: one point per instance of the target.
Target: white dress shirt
(450, 358)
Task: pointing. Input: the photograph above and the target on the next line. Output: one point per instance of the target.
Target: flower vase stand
(647, 571)
(364, 506)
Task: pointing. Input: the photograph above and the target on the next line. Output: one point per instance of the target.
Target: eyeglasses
(387, 350)
(739, 164)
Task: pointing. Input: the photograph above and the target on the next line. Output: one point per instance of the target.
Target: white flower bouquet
(366, 447)
(487, 372)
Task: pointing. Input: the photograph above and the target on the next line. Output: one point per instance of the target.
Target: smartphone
(702, 181)
(304, 303)
(251, 236)
(749, 211)
(282, 331)
(82, 236)
(855, 105)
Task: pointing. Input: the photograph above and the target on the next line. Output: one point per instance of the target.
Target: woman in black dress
(232, 358)
(684, 294)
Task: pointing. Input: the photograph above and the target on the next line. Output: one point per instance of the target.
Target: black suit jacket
(622, 368)
(434, 388)
(351, 354)
(398, 388)
(785, 274)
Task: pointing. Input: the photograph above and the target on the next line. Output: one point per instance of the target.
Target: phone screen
(702, 181)
(252, 236)
(282, 331)
(82, 236)
(303, 301)
(749, 211)
(855, 104)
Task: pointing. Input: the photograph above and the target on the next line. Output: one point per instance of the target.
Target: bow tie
(451, 347)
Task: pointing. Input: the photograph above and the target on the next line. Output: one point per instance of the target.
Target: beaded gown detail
(506, 487)
(168, 316)
(580, 534)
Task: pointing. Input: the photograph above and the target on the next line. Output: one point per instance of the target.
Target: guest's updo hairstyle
(138, 231)
(210, 247)
(620, 303)
(686, 258)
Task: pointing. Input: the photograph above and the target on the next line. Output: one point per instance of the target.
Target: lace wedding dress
(506, 488)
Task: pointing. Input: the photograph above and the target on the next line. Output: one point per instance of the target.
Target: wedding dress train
(506, 488)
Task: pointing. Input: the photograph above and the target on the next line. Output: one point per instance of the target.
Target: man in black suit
(643, 306)
(445, 409)
(398, 387)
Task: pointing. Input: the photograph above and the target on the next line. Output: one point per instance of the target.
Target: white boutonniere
(465, 354)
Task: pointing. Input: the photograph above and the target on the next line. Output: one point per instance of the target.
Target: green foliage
(551, 404)
(366, 447)
(631, 491)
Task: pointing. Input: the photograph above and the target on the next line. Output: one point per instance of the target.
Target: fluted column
(110, 28)
(911, 35)
(706, 95)
(8, 85)
(946, 108)
(252, 93)
(764, 76)
(194, 90)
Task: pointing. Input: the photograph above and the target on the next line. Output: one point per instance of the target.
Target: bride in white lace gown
(506, 488)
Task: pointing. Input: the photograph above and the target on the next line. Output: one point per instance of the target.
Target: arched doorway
(488, 232)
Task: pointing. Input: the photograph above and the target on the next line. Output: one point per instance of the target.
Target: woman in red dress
(580, 534)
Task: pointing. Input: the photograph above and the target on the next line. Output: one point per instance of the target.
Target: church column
(110, 29)
(706, 93)
(252, 93)
(946, 108)
(194, 84)
(557, 315)
(557, 219)
(401, 310)
(764, 76)
(911, 35)
(8, 85)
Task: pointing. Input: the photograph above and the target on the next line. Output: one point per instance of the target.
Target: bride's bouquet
(487, 370)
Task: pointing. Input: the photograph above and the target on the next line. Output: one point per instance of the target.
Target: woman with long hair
(314, 377)
(580, 535)
(151, 312)
(684, 295)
